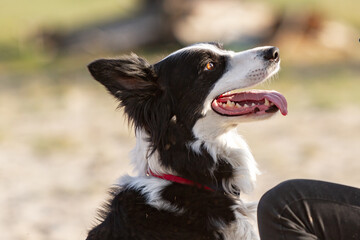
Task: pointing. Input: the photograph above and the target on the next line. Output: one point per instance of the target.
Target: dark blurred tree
(152, 24)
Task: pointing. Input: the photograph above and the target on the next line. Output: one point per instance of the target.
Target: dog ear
(129, 73)
(133, 81)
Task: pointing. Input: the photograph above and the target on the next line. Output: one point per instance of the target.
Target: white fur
(228, 145)
(142, 161)
(242, 227)
(139, 154)
(150, 187)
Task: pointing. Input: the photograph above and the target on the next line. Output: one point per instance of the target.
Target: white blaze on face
(245, 69)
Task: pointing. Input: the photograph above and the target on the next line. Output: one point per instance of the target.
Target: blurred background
(63, 143)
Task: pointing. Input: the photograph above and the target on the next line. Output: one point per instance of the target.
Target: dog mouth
(252, 102)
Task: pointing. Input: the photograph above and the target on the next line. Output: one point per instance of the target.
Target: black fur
(128, 216)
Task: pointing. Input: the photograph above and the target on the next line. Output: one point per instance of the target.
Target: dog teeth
(267, 103)
(230, 103)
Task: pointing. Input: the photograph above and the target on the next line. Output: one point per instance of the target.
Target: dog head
(191, 84)
(194, 94)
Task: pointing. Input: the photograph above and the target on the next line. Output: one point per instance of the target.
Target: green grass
(22, 20)
(347, 10)
(21, 17)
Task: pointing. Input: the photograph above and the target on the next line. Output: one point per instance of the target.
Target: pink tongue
(258, 95)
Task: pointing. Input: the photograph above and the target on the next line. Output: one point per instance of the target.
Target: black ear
(133, 81)
(126, 73)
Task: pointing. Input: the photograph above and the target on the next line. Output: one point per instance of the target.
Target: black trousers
(309, 210)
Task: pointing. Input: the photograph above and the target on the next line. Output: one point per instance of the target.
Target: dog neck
(224, 160)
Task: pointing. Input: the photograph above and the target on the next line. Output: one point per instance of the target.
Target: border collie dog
(191, 164)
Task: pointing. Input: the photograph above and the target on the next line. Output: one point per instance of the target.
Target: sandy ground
(61, 150)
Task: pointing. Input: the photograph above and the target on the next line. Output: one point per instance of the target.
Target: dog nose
(272, 54)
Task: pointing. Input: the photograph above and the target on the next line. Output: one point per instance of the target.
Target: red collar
(177, 179)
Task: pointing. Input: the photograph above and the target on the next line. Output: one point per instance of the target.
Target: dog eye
(210, 66)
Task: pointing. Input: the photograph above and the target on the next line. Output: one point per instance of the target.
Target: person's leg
(309, 210)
